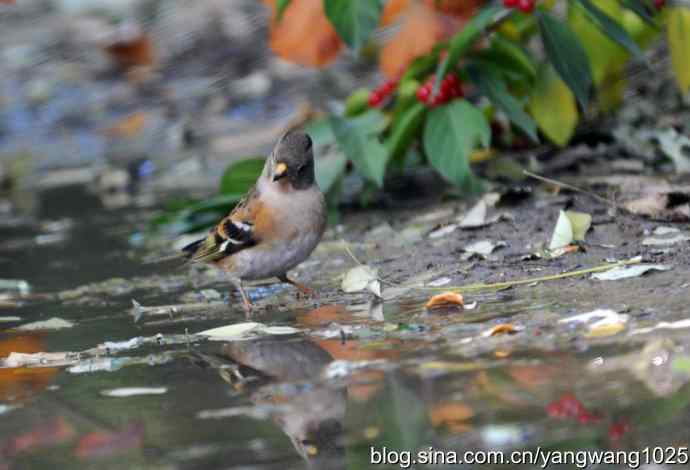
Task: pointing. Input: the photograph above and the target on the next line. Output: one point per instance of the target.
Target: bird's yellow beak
(279, 171)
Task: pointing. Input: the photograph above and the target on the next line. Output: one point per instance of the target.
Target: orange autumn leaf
(445, 299)
(304, 35)
(458, 8)
(392, 10)
(502, 329)
(420, 30)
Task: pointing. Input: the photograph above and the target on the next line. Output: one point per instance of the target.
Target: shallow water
(358, 377)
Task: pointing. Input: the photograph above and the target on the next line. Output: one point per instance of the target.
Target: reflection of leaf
(451, 133)
(354, 20)
(552, 105)
(567, 55)
(679, 43)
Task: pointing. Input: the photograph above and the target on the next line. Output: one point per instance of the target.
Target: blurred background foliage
(462, 80)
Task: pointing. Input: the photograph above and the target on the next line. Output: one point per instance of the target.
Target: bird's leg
(246, 302)
(302, 288)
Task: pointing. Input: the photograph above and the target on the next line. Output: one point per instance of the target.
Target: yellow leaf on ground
(445, 299)
(679, 43)
(553, 107)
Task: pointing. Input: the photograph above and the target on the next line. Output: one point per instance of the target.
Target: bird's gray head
(292, 160)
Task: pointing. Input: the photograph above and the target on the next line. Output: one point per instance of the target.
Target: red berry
(526, 6)
(555, 410)
(423, 93)
(659, 4)
(618, 429)
(587, 417)
(375, 99)
(510, 3)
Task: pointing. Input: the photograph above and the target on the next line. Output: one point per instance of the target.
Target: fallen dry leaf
(501, 329)
(445, 299)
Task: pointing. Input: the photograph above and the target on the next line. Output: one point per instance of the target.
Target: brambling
(275, 226)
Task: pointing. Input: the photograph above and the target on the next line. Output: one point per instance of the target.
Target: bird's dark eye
(309, 143)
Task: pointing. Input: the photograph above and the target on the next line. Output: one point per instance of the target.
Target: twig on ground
(503, 285)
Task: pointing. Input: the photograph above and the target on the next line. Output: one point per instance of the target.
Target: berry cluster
(525, 6)
(570, 407)
(377, 96)
(659, 4)
(450, 89)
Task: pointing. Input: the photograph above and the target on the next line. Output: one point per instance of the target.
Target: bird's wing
(233, 233)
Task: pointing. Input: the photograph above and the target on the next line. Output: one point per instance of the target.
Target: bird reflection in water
(284, 372)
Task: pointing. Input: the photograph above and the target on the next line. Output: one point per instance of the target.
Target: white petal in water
(54, 323)
(134, 391)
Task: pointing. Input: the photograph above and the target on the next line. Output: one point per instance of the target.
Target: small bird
(275, 226)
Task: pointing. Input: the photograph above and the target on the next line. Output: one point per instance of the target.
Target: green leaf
(512, 57)
(281, 5)
(365, 151)
(679, 43)
(641, 10)
(492, 86)
(404, 129)
(370, 122)
(328, 169)
(354, 20)
(566, 54)
(553, 106)
(462, 41)
(451, 133)
(611, 28)
(241, 175)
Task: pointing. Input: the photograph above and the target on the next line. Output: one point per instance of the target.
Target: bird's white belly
(264, 261)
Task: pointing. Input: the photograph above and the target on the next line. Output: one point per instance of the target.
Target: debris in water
(54, 323)
(125, 392)
(246, 330)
